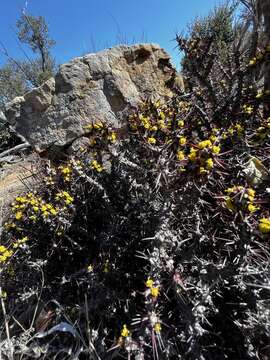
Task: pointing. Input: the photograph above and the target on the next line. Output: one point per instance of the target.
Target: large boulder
(95, 87)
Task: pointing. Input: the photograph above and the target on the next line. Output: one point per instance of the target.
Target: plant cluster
(148, 243)
(151, 241)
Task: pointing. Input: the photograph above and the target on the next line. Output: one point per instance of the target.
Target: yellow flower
(202, 170)
(216, 149)
(224, 136)
(98, 125)
(204, 144)
(53, 211)
(149, 283)
(125, 332)
(161, 124)
(21, 199)
(162, 115)
(229, 204)
(209, 164)
(259, 94)
(239, 128)
(88, 127)
(180, 155)
(264, 225)
(252, 62)
(155, 291)
(234, 189)
(2, 249)
(151, 140)
(251, 192)
(181, 123)
(92, 141)
(154, 128)
(8, 253)
(3, 258)
(90, 268)
(252, 208)
(66, 170)
(3, 294)
(106, 267)
(145, 121)
(96, 166)
(193, 154)
(112, 137)
(9, 226)
(18, 215)
(157, 328)
(68, 199)
(182, 141)
(213, 138)
(248, 109)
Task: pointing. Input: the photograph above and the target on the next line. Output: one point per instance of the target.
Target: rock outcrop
(95, 87)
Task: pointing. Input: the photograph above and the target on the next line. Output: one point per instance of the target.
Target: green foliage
(12, 83)
(19, 76)
(218, 24)
(33, 31)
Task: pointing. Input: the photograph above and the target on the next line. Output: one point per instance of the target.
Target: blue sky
(83, 26)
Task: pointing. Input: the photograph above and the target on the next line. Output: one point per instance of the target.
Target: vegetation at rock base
(151, 242)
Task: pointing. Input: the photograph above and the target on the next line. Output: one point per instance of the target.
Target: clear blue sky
(83, 26)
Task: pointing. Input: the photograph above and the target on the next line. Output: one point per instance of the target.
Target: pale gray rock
(95, 87)
(3, 119)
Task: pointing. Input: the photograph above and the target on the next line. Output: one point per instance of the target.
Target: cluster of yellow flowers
(151, 141)
(180, 123)
(184, 106)
(262, 93)
(158, 122)
(200, 154)
(99, 130)
(65, 196)
(236, 129)
(31, 205)
(49, 181)
(262, 132)
(125, 331)
(112, 137)
(97, 126)
(248, 109)
(20, 242)
(241, 198)
(96, 166)
(154, 290)
(66, 171)
(264, 225)
(5, 253)
(259, 56)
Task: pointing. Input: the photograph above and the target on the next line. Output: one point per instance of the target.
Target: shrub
(150, 243)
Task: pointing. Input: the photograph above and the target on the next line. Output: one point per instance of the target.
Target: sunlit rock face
(96, 87)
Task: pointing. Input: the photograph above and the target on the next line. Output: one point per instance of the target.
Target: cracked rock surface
(96, 87)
